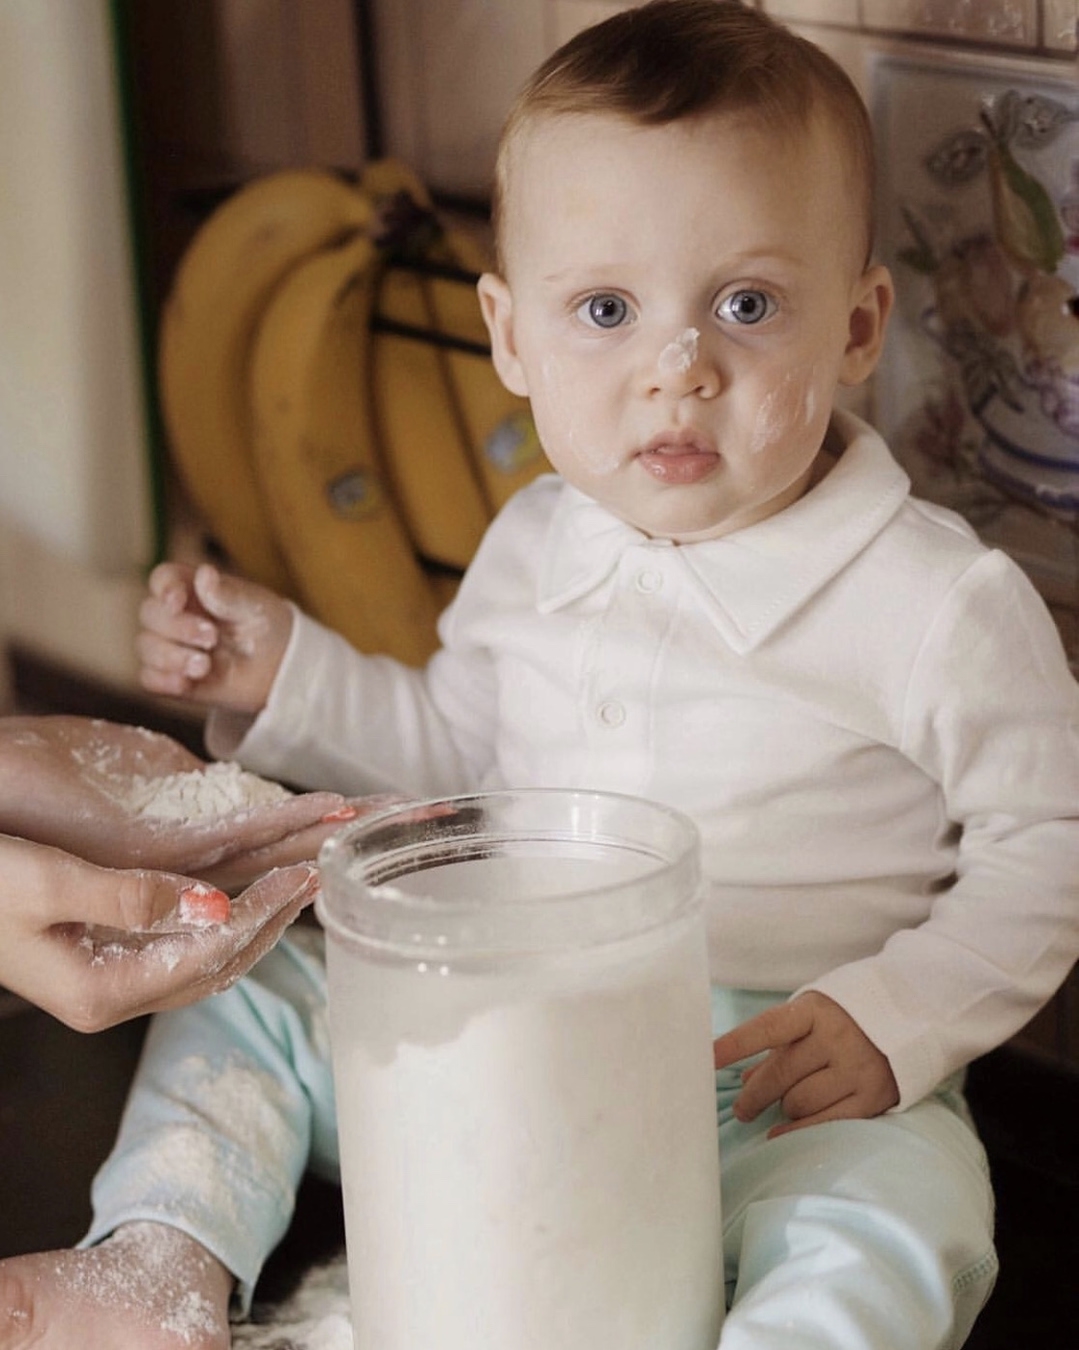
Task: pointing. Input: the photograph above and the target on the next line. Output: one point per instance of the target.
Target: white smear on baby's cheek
(810, 405)
(677, 357)
(769, 424)
(793, 400)
(562, 426)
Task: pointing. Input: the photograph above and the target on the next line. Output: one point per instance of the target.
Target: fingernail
(309, 886)
(174, 599)
(206, 634)
(204, 906)
(342, 813)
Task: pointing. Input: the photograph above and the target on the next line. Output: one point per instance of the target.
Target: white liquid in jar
(529, 1149)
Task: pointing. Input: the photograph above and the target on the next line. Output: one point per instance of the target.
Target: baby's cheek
(790, 408)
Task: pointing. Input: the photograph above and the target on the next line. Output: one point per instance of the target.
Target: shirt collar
(752, 581)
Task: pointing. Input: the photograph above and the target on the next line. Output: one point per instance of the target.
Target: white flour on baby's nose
(677, 357)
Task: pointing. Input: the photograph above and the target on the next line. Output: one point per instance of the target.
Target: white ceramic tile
(1060, 25)
(815, 11)
(568, 17)
(1010, 22)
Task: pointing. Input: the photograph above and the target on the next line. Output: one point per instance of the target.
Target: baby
(725, 600)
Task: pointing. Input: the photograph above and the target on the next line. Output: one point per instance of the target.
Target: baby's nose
(679, 355)
(682, 366)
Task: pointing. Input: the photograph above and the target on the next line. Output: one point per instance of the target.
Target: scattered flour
(314, 1317)
(145, 1270)
(222, 789)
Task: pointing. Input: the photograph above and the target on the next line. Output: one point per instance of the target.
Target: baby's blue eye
(746, 307)
(604, 311)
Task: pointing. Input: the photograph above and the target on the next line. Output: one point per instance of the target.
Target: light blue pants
(854, 1235)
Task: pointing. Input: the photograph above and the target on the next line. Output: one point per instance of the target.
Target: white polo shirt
(868, 714)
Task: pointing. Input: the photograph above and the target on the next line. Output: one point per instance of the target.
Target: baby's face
(679, 305)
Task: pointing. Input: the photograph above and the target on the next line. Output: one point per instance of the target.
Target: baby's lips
(204, 906)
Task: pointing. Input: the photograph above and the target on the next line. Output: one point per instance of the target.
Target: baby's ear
(496, 302)
(871, 303)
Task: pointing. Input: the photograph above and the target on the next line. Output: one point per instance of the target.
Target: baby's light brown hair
(673, 59)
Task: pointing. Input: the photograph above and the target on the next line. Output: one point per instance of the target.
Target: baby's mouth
(678, 458)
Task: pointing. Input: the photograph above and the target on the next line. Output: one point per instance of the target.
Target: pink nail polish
(342, 813)
(204, 906)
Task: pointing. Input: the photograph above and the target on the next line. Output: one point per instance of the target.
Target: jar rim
(650, 853)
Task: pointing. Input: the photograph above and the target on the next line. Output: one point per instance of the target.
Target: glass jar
(519, 1016)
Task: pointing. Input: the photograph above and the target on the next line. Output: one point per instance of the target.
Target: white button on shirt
(611, 713)
(854, 699)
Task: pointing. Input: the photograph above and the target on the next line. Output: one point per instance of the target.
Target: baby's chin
(715, 530)
(672, 526)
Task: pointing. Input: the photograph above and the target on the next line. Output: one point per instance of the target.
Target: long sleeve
(355, 723)
(992, 715)
(337, 718)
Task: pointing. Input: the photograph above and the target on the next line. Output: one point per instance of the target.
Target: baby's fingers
(846, 1108)
(776, 1077)
(168, 667)
(170, 617)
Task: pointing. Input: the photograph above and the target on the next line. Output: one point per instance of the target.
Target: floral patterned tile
(978, 391)
(1060, 25)
(1011, 22)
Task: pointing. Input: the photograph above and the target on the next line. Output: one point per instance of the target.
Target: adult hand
(94, 946)
(74, 782)
(818, 1064)
(148, 1286)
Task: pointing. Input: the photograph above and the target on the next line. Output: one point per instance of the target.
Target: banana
(315, 455)
(223, 284)
(500, 433)
(422, 438)
(457, 447)
(426, 455)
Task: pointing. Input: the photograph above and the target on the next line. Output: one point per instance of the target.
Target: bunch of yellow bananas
(330, 403)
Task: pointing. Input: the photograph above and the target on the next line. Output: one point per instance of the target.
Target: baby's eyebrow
(592, 275)
(763, 257)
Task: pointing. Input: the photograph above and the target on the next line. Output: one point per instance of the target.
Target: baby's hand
(211, 637)
(820, 1065)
